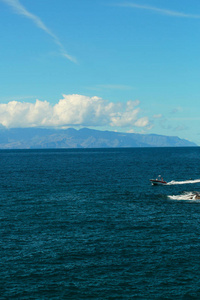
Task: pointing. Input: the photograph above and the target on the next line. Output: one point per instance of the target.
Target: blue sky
(129, 66)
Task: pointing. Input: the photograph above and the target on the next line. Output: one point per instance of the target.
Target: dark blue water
(87, 224)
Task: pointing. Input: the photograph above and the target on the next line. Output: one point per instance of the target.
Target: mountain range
(37, 138)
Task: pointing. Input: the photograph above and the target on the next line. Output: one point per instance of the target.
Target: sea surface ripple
(87, 224)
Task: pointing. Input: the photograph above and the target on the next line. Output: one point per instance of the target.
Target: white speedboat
(158, 181)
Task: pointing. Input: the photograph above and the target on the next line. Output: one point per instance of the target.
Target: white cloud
(17, 114)
(142, 122)
(72, 110)
(21, 10)
(160, 10)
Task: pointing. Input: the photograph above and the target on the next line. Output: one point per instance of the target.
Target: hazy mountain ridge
(27, 138)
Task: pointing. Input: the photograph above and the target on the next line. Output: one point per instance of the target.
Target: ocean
(87, 224)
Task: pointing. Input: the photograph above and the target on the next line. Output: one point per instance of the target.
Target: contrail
(159, 10)
(21, 10)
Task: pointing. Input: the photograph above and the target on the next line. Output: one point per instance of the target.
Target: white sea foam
(190, 181)
(184, 196)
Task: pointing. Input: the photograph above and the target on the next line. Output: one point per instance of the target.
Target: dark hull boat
(158, 181)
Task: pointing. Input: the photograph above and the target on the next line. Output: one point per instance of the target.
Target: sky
(129, 66)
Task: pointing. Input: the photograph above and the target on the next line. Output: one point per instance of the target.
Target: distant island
(40, 138)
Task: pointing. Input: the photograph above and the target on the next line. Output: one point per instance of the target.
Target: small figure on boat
(158, 181)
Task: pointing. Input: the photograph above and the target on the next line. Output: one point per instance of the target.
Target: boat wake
(190, 181)
(192, 196)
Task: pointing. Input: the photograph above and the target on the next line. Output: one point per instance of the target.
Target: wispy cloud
(176, 110)
(21, 10)
(162, 11)
(115, 86)
(17, 98)
(100, 87)
(157, 116)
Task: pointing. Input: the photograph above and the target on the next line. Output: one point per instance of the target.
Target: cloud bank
(159, 10)
(72, 110)
(21, 10)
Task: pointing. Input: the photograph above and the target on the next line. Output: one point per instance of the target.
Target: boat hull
(158, 182)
